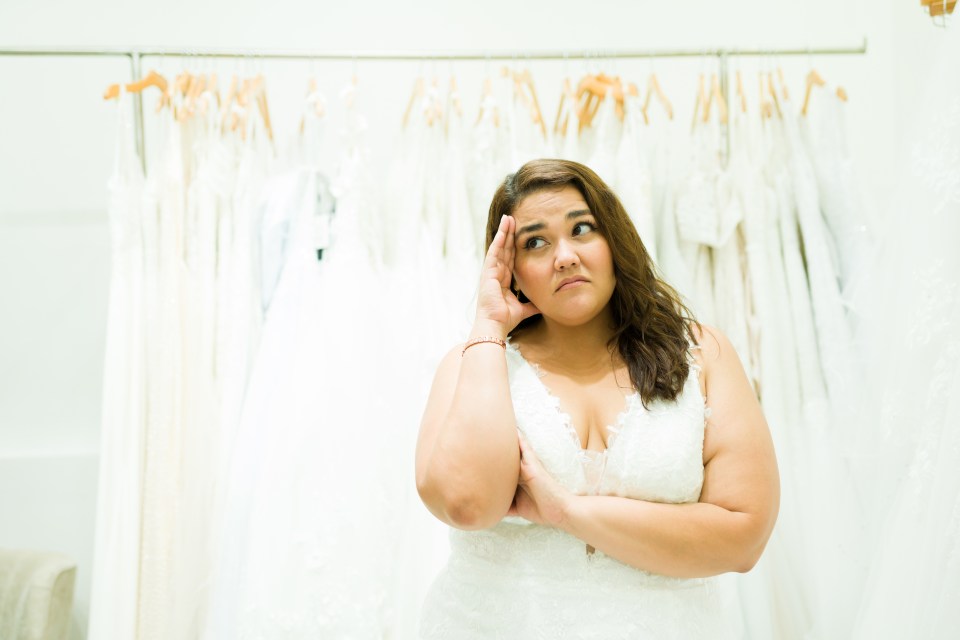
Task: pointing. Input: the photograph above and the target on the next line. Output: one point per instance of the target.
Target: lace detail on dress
(521, 580)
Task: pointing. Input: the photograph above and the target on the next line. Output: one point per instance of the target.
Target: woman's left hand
(539, 498)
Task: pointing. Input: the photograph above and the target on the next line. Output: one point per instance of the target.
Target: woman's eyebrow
(537, 226)
(530, 228)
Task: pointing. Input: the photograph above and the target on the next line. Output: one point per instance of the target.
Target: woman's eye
(585, 226)
(531, 243)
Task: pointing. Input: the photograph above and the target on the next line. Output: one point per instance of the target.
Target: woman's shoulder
(711, 345)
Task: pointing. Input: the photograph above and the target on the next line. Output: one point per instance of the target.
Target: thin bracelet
(480, 339)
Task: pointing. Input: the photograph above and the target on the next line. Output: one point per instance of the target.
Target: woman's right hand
(496, 303)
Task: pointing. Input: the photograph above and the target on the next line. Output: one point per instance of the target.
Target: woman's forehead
(549, 203)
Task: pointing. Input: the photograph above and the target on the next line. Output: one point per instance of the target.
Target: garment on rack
(488, 162)
(667, 166)
(518, 579)
(163, 219)
(910, 413)
(824, 132)
(633, 184)
(601, 141)
(566, 138)
(773, 595)
(833, 329)
(117, 540)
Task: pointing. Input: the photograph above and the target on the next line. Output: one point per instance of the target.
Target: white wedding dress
(909, 431)
(521, 580)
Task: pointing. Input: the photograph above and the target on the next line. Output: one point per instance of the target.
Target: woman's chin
(568, 317)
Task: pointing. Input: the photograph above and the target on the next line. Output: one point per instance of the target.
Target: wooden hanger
(616, 90)
(716, 95)
(590, 92)
(238, 115)
(783, 84)
(537, 114)
(226, 105)
(765, 108)
(487, 93)
(211, 90)
(252, 90)
(773, 94)
(264, 108)
(455, 97)
(524, 89)
(560, 126)
(313, 100)
(180, 86)
(593, 90)
(936, 7)
(152, 79)
(414, 97)
(700, 104)
(813, 79)
(634, 92)
(434, 108)
(653, 88)
(195, 87)
(740, 92)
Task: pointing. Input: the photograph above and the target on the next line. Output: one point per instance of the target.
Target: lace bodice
(523, 580)
(654, 454)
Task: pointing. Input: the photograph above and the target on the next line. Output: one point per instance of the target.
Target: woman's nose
(565, 256)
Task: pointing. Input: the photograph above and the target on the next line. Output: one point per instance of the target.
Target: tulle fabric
(910, 432)
(521, 580)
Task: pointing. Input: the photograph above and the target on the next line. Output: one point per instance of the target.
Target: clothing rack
(136, 55)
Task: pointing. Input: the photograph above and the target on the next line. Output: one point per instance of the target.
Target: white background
(56, 146)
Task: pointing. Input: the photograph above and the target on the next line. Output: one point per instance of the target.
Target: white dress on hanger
(521, 580)
(772, 598)
(825, 135)
(634, 178)
(661, 143)
(815, 476)
(605, 134)
(832, 326)
(310, 532)
(910, 413)
(488, 160)
(566, 135)
(113, 598)
(163, 217)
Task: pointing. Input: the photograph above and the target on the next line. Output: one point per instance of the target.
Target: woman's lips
(571, 285)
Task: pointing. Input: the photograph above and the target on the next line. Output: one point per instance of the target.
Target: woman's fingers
(528, 310)
(509, 247)
(495, 252)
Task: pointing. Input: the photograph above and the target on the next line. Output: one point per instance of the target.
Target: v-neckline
(612, 430)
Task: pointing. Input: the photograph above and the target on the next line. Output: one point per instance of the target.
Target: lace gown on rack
(521, 580)
(910, 424)
(113, 600)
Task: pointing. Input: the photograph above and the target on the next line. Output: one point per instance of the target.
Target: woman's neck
(576, 350)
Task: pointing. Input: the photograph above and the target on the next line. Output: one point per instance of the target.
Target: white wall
(56, 138)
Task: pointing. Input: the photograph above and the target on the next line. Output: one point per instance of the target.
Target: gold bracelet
(480, 339)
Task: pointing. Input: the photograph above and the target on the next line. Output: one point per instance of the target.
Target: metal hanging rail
(367, 54)
(136, 55)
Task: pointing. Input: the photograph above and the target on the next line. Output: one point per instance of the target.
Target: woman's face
(563, 263)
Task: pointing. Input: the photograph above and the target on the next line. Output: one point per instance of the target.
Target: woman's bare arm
(728, 528)
(468, 460)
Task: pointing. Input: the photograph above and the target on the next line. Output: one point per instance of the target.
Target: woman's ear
(516, 291)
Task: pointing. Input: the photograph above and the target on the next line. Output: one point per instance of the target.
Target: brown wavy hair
(653, 325)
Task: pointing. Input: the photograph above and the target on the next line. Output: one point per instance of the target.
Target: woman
(567, 442)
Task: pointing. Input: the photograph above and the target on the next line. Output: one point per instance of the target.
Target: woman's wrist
(491, 328)
(570, 503)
